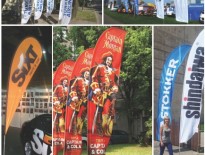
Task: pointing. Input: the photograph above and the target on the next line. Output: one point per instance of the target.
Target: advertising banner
(26, 11)
(25, 62)
(38, 8)
(192, 90)
(181, 10)
(65, 12)
(60, 95)
(160, 8)
(167, 81)
(136, 6)
(126, 3)
(76, 108)
(50, 6)
(104, 74)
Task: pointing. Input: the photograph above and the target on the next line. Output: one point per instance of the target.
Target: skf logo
(26, 61)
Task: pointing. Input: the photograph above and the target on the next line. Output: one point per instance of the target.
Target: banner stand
(179, 134)
(4, 152)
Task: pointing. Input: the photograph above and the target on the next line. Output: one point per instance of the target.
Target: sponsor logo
(194, 85)
(24, 66)
(170, 74)
(41, 143)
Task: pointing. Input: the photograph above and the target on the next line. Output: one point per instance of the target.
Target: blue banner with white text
(168, 76)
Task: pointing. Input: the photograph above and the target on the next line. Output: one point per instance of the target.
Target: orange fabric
(25, 62)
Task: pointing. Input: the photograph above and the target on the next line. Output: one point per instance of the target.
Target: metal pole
(4, 152)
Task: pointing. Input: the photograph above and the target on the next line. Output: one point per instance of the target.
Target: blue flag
(168, 76)
(136, 6)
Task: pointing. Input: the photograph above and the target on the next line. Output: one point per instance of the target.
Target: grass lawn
(86, 14)
(125, 149)
(131, 19)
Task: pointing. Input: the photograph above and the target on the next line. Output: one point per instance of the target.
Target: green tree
(69, 42)
(136, 74)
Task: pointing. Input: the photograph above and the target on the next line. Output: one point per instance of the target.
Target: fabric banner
(65, 12)
(160, 8)
(104, 74)
(60, 83)
(76, 108)
(64, 70)
(136, 7)
(25, 62)
(126, 5)
(50, 7)
(26, 11)
(168, 76)
(181, 10)
(38, 9)
(192, 90)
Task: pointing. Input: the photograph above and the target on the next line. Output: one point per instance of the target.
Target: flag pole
(4, 152)
(179, 134)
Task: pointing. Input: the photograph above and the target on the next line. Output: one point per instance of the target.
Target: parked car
(36, 135)
(201, 17)
(119, 137)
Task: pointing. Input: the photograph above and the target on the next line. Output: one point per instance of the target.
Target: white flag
(65, 12)
(192, 90)
(50, 6)
(181, 10)
(26, 11)
(160, 8)
(38, 8)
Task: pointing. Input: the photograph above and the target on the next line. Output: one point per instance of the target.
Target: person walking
(165, 137)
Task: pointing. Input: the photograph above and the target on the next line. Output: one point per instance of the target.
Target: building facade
(34, 102)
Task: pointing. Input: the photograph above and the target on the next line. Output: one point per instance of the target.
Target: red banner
(64, 70)
(60, 93)
(25, 62)
(76, 108)
(104, 74)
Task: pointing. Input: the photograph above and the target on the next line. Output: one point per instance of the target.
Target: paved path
(183, 151)
(11, 17)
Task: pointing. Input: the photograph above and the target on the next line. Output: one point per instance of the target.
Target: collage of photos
(102, 77)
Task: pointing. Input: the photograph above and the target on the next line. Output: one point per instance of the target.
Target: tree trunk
(75, 8)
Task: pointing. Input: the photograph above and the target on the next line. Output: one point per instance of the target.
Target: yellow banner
(25, 62)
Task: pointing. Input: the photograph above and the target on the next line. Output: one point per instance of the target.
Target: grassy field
(125, 149)
(131, 19)
(86, 14)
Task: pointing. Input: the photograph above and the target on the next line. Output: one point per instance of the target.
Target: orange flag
(25, 62)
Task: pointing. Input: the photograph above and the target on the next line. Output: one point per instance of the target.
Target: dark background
(12, 36)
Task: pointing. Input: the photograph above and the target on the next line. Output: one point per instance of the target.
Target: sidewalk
(183, 151)
(12, 17)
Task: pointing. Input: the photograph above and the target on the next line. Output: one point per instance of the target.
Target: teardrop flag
(167, 83)
(104, 74)
(25, 62)
(76, 108)
(61, 80)
(192, 90)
